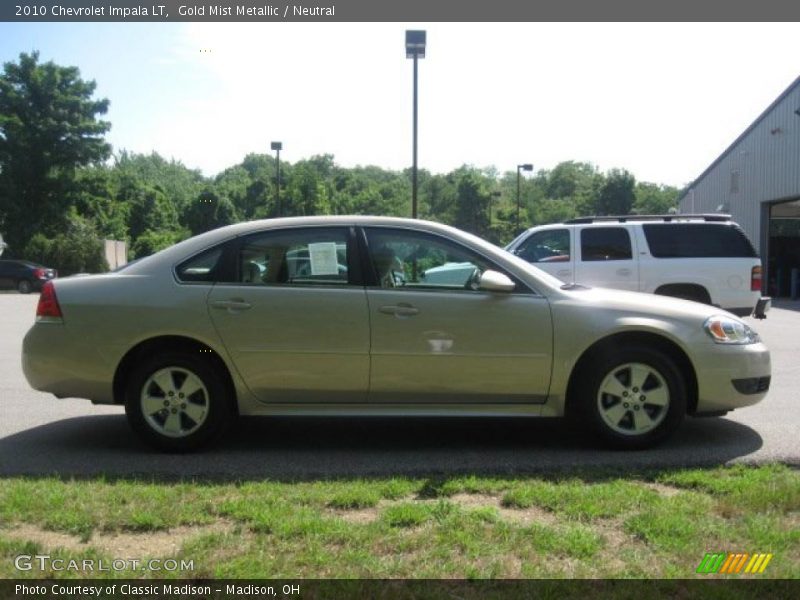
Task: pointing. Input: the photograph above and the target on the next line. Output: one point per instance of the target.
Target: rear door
(606, 258)
(295, 319)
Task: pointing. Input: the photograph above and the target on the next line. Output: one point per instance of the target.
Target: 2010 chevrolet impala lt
(361, 316)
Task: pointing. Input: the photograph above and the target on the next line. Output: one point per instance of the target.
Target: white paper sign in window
(323, 258)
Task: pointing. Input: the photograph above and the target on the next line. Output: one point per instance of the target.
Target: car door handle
(232, 306)
(399, 310)
(623, 272)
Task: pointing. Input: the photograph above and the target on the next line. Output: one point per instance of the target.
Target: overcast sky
(661, 100)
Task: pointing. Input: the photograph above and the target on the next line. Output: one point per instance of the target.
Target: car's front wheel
(633, 397)
(177, 402)
(24, 286)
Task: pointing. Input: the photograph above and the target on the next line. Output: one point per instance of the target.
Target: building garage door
(784, 246)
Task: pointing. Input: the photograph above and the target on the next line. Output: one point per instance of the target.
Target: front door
(437, 338)
(549, 250)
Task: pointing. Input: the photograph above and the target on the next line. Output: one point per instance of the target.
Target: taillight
(48, 307)
(40, 274)
(755, 279)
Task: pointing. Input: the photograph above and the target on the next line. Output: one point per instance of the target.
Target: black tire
(594, 411)
(212, 402)
(24, 286)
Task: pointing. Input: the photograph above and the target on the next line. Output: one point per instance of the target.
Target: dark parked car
(24, 275)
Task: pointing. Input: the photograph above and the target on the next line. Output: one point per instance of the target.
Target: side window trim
(371, 280)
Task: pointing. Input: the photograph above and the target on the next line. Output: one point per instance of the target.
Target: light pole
(525, 167)
(277, 146)
(415, 49)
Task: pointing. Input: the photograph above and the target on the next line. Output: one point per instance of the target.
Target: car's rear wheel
(177, 402)
(632, 397)
(24, 286)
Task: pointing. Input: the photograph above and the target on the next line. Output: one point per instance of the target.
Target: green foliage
(78, 250)
(151, 241)
(616, 194)
(653, 199)
(209, 211)
(48, 128)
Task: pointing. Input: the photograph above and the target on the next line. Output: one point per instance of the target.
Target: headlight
(727, 330)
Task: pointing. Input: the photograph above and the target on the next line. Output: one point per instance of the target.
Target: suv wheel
(24, 286)
(177, 402)
(632, 397)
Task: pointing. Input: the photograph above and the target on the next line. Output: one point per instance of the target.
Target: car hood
(642, 304)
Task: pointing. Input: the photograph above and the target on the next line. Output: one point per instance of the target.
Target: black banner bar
(403, 589)
(396, 10)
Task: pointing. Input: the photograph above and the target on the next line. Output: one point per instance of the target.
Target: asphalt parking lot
(40, 435)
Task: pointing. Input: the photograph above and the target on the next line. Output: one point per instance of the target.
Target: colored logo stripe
(733, 562)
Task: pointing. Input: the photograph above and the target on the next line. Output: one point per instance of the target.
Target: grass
(657, 524)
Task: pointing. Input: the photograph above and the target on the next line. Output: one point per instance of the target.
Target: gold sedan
(379, 316)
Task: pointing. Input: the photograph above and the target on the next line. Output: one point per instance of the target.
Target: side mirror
(494, 281)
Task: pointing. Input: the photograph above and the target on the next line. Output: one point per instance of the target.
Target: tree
(472, 208)
(209, 211)
(653, 199)
(48, 128)
(78, 250)
(617, 193)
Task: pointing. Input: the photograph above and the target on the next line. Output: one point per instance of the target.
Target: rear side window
(202, 267)
(605, 243)
(314, 256)
(697, 240)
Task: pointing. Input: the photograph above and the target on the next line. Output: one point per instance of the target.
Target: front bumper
(720, 370)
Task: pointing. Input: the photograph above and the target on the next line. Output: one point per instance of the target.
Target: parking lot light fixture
(277, 146)
(415, 49)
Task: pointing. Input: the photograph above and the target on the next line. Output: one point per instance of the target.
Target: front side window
(412, 260)
(294, 257)
(551, 245)
(605, 243)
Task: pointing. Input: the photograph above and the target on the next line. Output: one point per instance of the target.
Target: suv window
(605, 243)
(316, 256)
(699, 240)
(551, 245)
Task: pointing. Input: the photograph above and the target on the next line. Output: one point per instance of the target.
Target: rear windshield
(697, 240)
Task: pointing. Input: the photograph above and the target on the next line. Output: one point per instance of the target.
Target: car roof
(211, 238)
(17, 261)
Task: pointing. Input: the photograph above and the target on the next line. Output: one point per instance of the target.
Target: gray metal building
(757, 181)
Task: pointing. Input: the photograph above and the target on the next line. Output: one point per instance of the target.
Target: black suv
(24, 275)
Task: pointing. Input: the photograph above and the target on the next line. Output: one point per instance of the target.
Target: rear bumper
(762, 306)
(56, 362)
(759, 312)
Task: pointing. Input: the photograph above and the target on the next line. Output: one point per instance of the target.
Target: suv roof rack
(666, 218)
